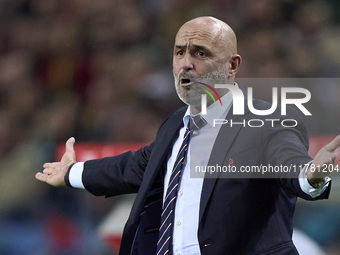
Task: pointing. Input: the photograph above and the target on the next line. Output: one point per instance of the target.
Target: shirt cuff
(306, 187)
(75, 175)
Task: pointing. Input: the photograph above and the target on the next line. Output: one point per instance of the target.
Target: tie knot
(197, 122)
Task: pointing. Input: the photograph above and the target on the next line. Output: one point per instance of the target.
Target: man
(209, 215)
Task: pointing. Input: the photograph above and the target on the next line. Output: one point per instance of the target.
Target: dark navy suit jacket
(237, 215)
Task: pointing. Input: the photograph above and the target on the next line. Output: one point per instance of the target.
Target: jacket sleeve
(123, 174)
(288, 146)
(116, 175)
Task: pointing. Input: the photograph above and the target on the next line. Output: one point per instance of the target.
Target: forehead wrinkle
(190, 36)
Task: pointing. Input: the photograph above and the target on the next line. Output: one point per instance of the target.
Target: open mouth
(185, 82)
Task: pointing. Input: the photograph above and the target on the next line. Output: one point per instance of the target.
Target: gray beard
(192, 95)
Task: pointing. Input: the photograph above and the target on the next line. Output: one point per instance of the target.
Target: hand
(54, 173)
(325, 157)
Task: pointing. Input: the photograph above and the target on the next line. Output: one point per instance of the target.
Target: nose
(187, 63)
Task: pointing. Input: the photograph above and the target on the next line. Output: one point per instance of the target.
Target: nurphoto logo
(239, 102)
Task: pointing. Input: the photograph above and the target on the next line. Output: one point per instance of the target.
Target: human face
(199, 56)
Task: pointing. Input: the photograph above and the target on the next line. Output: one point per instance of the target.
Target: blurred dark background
(97, 69)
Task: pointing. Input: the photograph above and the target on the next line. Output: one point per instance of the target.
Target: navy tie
(197, 122)
(167, 216)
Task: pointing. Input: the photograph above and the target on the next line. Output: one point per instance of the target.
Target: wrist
(67, 176)
(319, 182)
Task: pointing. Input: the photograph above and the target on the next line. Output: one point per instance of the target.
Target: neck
(197, 109)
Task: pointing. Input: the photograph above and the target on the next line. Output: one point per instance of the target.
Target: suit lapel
(162, 148)
(222, 144)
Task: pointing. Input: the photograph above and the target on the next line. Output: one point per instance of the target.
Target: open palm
(54, 173)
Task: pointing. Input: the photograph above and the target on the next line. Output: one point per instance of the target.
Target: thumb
(333, 145)
(69, 144)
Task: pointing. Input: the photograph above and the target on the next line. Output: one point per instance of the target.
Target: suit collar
(163, 146)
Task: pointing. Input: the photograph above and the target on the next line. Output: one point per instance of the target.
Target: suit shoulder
(290, 111)
(173, 120)
(174, 116)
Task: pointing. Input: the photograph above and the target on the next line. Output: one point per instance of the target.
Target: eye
(201, 54)
(179, 53)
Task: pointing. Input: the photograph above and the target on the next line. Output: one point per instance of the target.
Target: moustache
(187, 75)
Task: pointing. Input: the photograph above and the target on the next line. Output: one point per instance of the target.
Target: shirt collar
(214, 111)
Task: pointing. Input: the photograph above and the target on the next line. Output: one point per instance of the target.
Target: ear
(234, 64)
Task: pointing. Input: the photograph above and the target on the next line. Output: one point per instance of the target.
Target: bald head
(220, 32)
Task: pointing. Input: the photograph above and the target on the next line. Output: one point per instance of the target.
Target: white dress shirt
(185, 241)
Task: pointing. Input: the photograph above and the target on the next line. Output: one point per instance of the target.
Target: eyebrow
(197, 47)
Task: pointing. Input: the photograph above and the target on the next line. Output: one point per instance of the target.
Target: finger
(69, 144)
(333, 145)
(41, 177)
(51, 165)
(47, 171)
